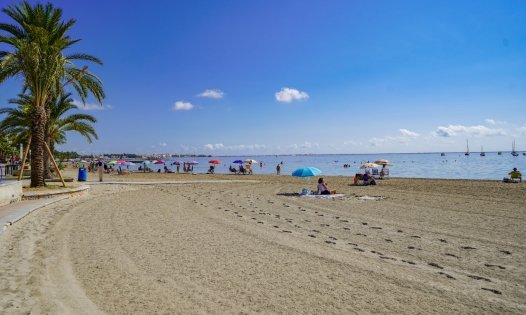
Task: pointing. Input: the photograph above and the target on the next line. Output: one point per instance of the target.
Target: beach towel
(323, 196)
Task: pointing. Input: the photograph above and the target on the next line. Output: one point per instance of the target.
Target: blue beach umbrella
(306, 172)
(238, 162)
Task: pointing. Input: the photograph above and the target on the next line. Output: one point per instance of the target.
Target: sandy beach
(426, 246)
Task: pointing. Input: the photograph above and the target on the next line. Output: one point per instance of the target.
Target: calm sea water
(425, 165)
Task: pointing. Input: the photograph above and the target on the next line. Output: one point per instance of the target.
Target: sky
(292, 77)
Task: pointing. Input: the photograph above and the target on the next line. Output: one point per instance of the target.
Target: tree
(37, 44)
(17, 120)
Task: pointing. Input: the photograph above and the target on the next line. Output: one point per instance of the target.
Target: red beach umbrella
(214, 162)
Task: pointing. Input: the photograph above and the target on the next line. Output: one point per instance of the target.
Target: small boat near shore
(482, 153)
(513, 152)
(467, 148)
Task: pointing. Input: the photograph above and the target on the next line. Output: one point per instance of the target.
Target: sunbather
(515, 176)
(323, 189)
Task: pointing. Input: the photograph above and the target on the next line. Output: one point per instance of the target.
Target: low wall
(10, 191)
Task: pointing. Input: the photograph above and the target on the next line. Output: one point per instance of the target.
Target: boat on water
(482, 153)
(513, 152)
(499, 153)
(467, 148)
(442, 154)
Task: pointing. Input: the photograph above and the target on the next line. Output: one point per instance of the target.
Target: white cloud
(287, 95)
(352, 143)
(90, 106)
(479, 130)
(180, 105)
(163, 144)
(522, 130)
(408, 133)
(494, 122)
(490, 121)
(212, 93)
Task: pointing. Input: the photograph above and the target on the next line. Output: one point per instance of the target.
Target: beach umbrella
(158, 162)
(177, 163)
(111, 162)
(192, 163)
(146, 162)
(83, 161)
(238, 162)
(383, 162)
(121, 162)
(214, 162)
(128, 163)
(249, 161)
(306, 172)
(368, 165)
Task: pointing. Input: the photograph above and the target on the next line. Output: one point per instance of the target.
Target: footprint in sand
(467, 247)
(297, 226)
(412, 247)
(364, 223)
(227, 210)
(452, 255)
(415, 236)
(443, 240)
(409, 262)
(260, 222)
(358, 249)
(329, 242)
(361, 234)
(346, 228)
(323, 224)
(307, 220)
(388, 240)
(492, 290)
(311, 235)
(239, 216)
(333, 238)
(353, 244)
(320, 215)
(275, 226)
(479, 278)
(505, 252)
(435, 265)
(388, 258)
(303, 210)
(378, 253)
(285, 231)
(447, 275)
(376, 227)
(346, 221)
(253, 218)
(498, 266)
(315, 231)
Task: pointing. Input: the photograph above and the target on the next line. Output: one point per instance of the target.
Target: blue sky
(271, 77)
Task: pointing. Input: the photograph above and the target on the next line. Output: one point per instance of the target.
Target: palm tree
(37, 42)
(17, 120)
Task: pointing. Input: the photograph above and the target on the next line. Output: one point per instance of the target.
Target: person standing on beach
(278, 169)
(100, 170)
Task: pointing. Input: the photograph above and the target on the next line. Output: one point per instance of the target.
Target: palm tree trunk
(38, 126)
(47, 161)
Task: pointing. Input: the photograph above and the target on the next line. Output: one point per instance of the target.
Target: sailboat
(482, 151)
(442, 154)
(499, 153)
(513, 152)
(467, 148)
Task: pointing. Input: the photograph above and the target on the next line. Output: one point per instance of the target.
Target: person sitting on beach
(242, 170)
(514, 176)
(368, 179)
(211, 170)
(232, 169)
(323, 189)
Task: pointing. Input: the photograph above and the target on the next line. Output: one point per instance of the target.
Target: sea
(454, 165)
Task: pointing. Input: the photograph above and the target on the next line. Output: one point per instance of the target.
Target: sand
(426, 246)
